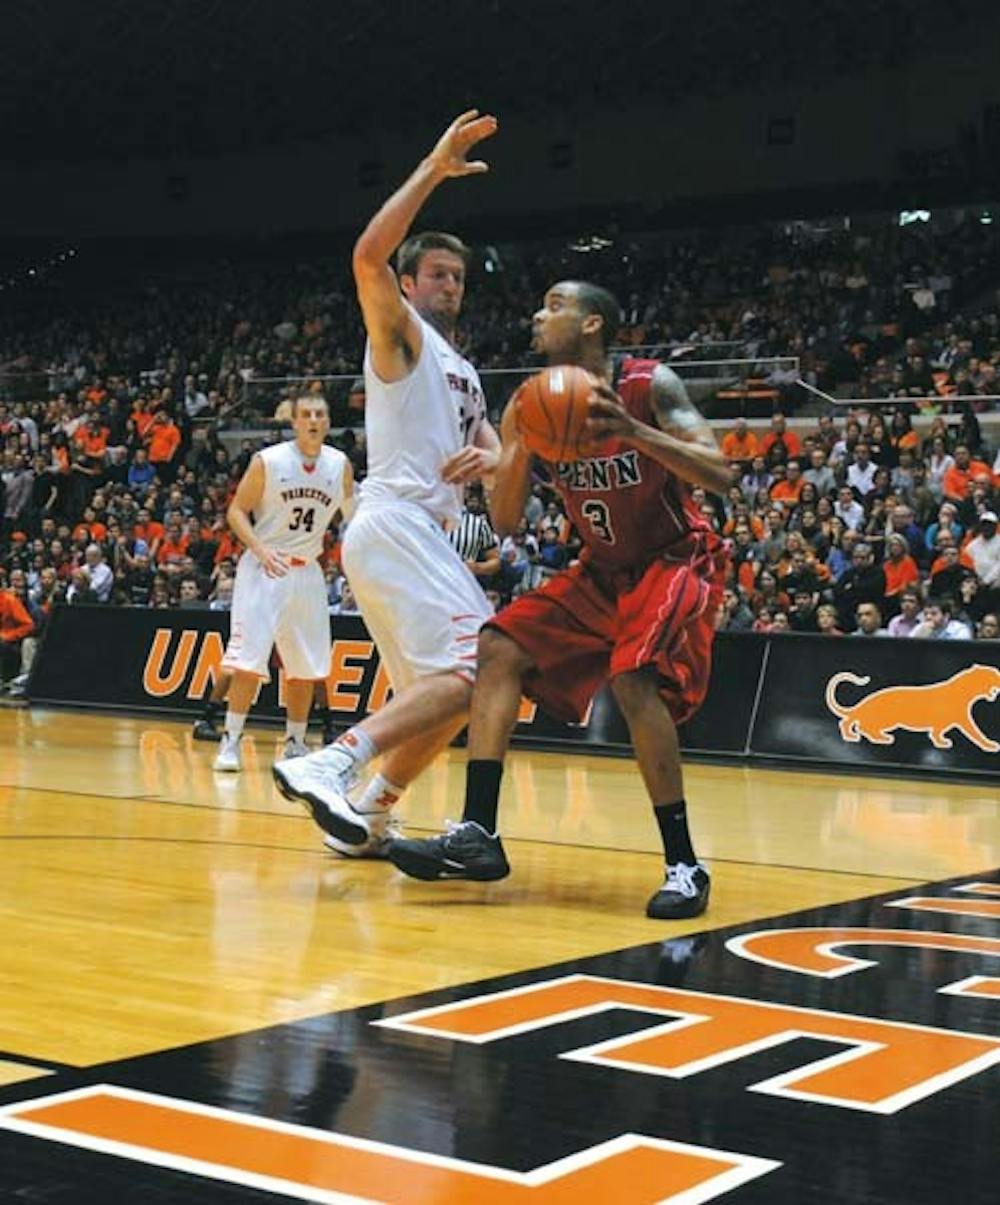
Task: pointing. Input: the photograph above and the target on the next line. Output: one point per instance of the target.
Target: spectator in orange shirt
(143, 416)
(740, 444)
(149, 531)
(15, 624)
(789, 490)
(60, 453)
(900, 569)
(945, 545)
(958, 479)
(92, 439)
(902, 435)
(779, 434)
(163, 440)
(174, 546)
(742, 514)
(90, 528)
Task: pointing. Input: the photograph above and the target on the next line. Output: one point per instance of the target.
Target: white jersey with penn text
(299, 499)
(412, 426)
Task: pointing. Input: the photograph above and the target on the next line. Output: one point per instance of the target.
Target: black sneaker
(205, 730)
(683, 894)
(465, 851)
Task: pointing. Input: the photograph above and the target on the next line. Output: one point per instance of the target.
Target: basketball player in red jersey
(637, 609)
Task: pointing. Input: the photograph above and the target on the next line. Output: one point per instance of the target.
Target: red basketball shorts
(586, 626)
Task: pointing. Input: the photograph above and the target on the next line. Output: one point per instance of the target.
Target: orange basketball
(552, 411)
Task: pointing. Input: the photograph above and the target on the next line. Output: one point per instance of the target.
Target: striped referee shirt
(473, 536)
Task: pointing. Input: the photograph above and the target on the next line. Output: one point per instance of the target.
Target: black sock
(672, 819)
(482, 793)
(323, 715)
(212, 711)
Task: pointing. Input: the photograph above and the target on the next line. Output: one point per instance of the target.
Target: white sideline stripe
(927, 903)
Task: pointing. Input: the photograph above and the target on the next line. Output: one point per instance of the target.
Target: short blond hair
(311, 398)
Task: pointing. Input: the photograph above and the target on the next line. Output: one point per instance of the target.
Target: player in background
(637, 609)
(427, 436)
(204, 728)
(282, 507)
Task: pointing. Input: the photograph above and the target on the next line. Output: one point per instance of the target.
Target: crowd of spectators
(842, 297)
(866, 528)
(115, 478)
(118, 502)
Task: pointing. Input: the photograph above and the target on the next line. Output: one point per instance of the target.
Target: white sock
(357, 745)
(379, 795)
(234, 724)
(296, 728)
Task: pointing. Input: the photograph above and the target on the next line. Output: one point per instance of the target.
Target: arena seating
(133, 394)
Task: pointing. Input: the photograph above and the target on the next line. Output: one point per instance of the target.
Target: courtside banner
(169, 660)
(142, 660)
(932, 705)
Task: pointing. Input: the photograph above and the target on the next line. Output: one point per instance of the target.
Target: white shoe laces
(680, 878)
(331, 766)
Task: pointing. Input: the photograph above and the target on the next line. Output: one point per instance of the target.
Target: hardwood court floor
(146, 902)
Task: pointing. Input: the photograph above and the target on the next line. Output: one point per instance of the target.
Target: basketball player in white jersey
(427, 435)
(281, 509)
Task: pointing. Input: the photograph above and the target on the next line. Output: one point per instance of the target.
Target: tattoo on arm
(675, 413)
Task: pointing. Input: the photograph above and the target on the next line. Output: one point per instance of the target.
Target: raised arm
(393, 329)
(682, 441)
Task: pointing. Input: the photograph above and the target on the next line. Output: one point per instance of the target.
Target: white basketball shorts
(421, 604)
(289, 612)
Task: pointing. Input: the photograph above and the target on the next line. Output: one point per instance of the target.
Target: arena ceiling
(119, 78)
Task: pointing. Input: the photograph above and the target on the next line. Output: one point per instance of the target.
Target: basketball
(552, 411)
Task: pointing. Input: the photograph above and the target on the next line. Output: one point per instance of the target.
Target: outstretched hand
(449, 155)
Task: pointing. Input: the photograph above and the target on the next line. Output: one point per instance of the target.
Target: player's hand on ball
(448, 156)
(608, 418)
(470, 464)
(275, 564)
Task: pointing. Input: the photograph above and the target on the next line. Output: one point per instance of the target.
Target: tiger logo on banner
(935, 709)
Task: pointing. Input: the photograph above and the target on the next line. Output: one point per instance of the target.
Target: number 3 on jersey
(303, 518)
(599, 517)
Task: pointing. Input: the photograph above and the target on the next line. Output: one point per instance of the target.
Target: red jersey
(626, 506)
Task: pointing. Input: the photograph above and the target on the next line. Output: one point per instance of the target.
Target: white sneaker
(321, 782)
(294, 748)
(384, 828)
(228, 758)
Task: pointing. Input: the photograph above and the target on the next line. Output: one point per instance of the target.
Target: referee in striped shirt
(476, 542)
